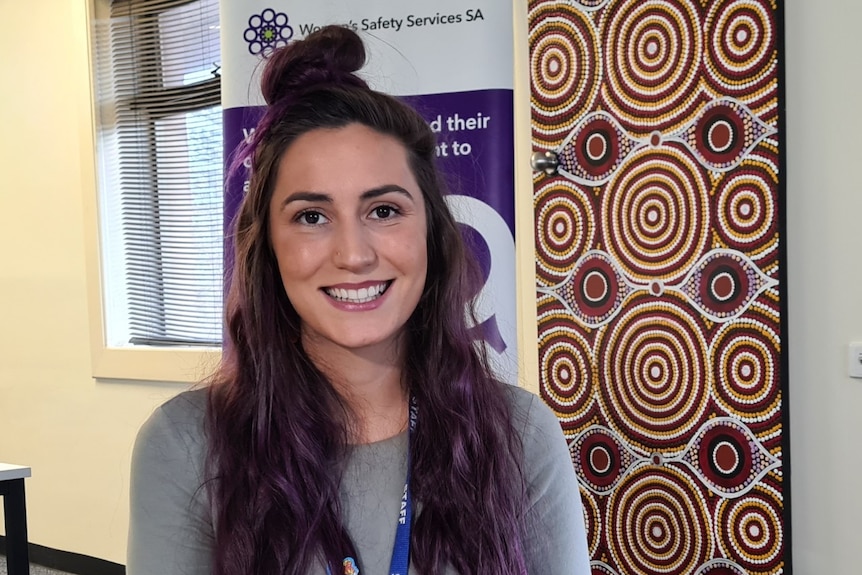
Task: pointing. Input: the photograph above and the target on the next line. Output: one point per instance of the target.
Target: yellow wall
(77, 433)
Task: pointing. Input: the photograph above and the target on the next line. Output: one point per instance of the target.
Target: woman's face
(348, 228)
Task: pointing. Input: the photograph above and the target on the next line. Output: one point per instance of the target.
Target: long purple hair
(278, 441)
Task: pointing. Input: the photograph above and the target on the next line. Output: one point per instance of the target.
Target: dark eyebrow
(383, 190)
(306, 197)
(326, 198)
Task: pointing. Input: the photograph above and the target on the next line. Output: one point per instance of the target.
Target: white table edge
(9, 472)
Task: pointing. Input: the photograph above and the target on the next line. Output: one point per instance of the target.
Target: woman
(350, 373)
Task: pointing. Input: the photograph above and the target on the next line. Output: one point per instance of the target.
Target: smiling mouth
(361, 295)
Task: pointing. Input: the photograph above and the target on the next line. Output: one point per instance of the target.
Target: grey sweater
(171, 523)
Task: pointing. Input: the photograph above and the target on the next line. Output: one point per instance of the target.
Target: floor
(34, 569)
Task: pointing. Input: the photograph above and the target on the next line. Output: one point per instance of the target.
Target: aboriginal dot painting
(659, 290)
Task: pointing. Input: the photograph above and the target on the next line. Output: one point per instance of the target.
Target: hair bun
(330, 55)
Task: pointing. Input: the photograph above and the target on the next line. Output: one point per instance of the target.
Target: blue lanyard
(401, 549)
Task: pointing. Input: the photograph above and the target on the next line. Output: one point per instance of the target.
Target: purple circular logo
(267, 31)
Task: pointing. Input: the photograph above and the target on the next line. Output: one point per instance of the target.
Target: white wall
(77, 433)
(824, 206)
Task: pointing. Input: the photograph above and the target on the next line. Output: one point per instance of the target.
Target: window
(159, 154)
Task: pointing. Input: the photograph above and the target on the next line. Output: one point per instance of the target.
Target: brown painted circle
(720, 135)
(595, 286)
(726, 457)
(722, 286)
(597, 146)
(600, 460)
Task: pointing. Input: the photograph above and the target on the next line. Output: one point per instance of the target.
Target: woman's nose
(354, 248)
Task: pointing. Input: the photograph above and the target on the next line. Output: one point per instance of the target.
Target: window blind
(160, 153)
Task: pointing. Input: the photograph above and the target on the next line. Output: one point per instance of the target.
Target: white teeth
(362, 295)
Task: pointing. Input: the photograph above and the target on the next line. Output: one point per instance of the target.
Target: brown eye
(384, 212)
(310, 218)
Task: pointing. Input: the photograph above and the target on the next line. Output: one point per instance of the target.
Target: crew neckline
(381, 442)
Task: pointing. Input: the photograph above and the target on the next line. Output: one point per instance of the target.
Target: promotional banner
(453, 63)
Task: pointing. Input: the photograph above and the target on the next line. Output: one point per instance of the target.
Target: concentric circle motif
(657, 522)
(723, 133)
(596, 290)
(720, 567)
(595, 149)
(599, 568)
(744, 359)
(720, 135)
(592, 521)
(566, 368)
(565, 68)
(600, 459)
(752, 533)
(565, 228)
(746, 207)
(656, 214)
(741, 54)
(653, 54)
(727, 457)
(652, 362)
(591, 4)
(724, 284)
(657, 255)
(723, 455)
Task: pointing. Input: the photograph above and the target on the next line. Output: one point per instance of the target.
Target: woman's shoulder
(546, 450)
(555, 538)
(170, 522)
(185, 407)
(531, 417)
(176, 428)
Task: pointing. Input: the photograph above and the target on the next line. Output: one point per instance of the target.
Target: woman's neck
(371, 382)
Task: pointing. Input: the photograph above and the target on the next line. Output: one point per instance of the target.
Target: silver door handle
(546, 161)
